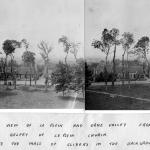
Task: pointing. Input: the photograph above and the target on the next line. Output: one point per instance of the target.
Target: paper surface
(37, 131)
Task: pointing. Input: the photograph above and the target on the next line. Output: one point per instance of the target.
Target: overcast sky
(37, 20)
(126, 15)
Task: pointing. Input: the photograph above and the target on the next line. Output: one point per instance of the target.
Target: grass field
(101, 101)
(25, 97)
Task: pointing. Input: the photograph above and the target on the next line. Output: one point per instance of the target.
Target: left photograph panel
(42, 54)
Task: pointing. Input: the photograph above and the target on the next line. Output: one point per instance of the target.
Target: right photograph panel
(117, 46)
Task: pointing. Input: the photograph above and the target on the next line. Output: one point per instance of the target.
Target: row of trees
(111, 39)
(64, 77)
(28, 57)
(98, 74)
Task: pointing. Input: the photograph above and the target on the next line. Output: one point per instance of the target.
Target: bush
(67, 77)
(101, 77)
(61, 77)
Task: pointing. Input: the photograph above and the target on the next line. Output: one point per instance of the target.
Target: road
(41, 81)
(120, 82)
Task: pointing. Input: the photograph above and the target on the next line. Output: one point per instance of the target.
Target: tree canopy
(141, 47)
(28, 57)
(9, 46)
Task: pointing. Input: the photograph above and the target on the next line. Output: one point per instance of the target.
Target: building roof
(132, 69)
(25, 70)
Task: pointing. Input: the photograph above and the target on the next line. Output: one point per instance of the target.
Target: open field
(118, 97)
(25, 97)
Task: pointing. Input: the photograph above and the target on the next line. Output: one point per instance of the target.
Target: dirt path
(125, 82)
(120, 95)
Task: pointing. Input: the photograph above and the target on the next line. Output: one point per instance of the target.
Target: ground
(26, 97)
(137, 97)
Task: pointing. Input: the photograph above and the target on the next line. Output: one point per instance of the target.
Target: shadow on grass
(135, 90)
(30, 89)
(99, 101)
(37, 88)
(7, 93)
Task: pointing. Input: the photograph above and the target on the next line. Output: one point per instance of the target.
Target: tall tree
(104, 46)
(79, 70)
(78, 75)
(74, 49)
(28, 58)
(45, 51)
(2, 67)
(126, 41)
(67, 45)
(141, 49)
(25, 44)
(114, 33)
(9, 47)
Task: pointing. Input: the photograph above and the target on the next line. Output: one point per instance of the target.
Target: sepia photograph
(117, 54)
(42, 54)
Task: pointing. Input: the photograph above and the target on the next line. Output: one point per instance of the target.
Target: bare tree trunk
(5, 82)
(83, 91)
(30, 76)
(25, 79)
(46, 77)
(123, 69)
(143, 65)
(66, 59)
(114, 66)
(13, 72)
(148, 71)
(46, 83)
(11, 66)
(105, 77)
(30, 80)
(94, 78)
(106, 72)
(15, 82)
(75, 58)
(35, 80)
(35, 74)
(128, 69)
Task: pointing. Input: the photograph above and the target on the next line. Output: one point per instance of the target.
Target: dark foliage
(88, 76)
(9, 46)
(102, 78)
(61, 77)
